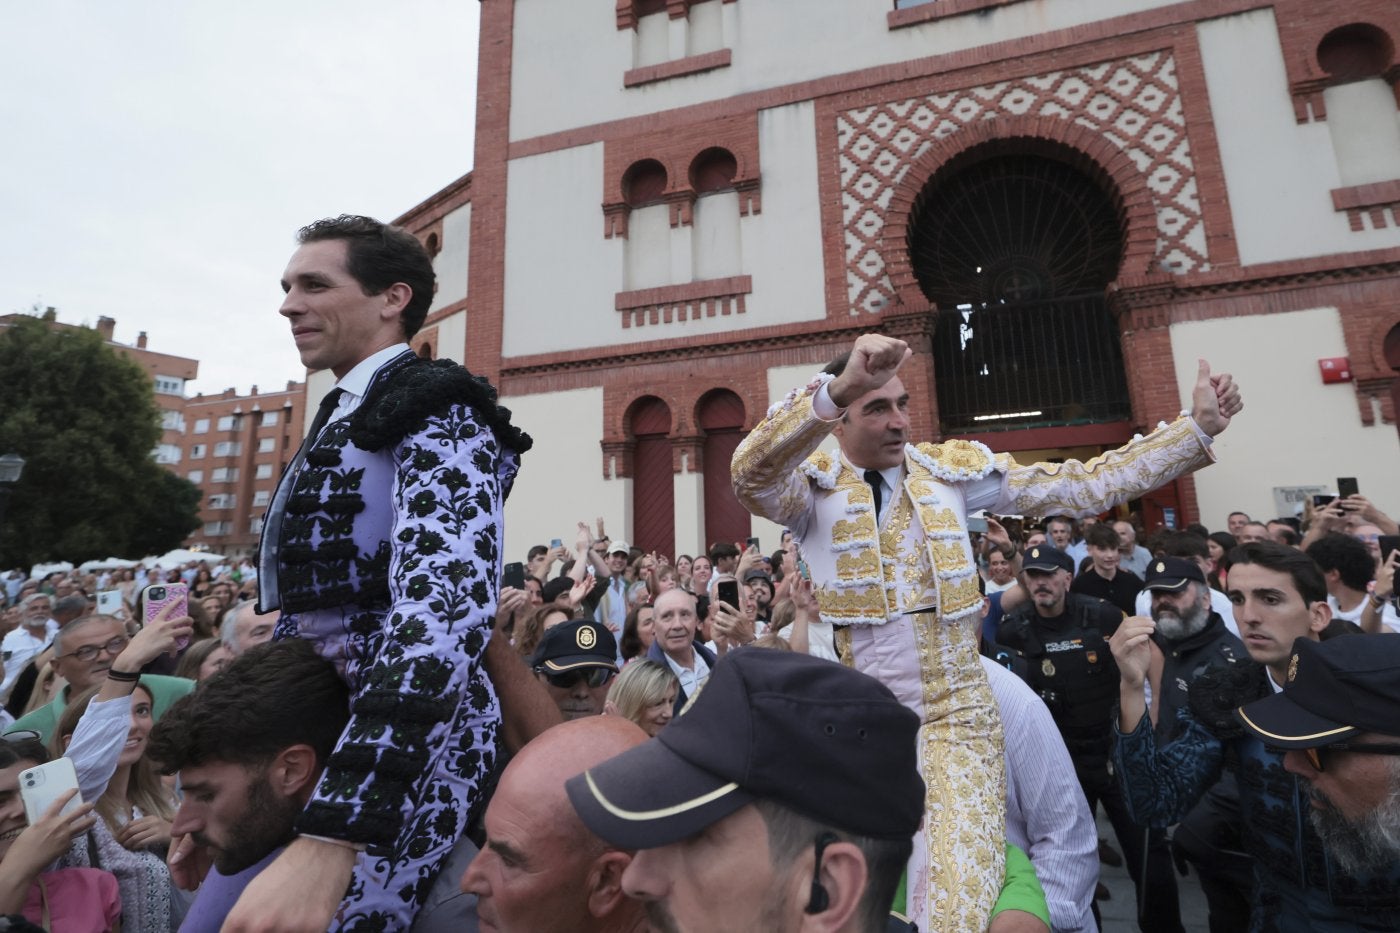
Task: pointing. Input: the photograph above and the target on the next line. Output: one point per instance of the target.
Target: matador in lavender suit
(882, 525)
(382, 547)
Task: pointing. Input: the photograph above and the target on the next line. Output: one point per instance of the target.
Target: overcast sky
(158, 157)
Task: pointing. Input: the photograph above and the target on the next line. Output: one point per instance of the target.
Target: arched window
(433, 245)
(1015, 251)
(648, 250)
(1355, 52)
(644, 183)
(720, 415)
(653, 483)
(1360, 102)
(713, 170)
(715, 246)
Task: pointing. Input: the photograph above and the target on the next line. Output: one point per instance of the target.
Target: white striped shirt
(1047, 816)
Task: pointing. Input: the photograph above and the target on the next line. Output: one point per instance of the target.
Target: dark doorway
(653, 483)
(721, 417)
(1015, 252)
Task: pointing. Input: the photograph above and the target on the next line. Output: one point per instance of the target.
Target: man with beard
(1189, 639)
(1337, 718)
(1279, 597)
(249, 747)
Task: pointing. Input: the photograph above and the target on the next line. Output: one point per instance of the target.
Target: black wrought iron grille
(1015, 253)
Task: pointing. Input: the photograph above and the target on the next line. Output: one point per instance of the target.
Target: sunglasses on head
(1318, 756)
(594, 676)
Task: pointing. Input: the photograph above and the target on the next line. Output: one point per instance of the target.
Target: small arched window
(433, 245)
(713, 170)
(1355, 52)
(643, 183)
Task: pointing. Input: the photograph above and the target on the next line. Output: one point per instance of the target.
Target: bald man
(542, 871)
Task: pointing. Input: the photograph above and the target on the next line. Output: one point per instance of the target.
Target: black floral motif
(423, 504)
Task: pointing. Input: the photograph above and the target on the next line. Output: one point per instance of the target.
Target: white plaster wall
(1278, 172)
(716, 239)
(704, 28)
(569, 57)
(452, 337)
(648, 247)
(690, 514)
(560, 272)
(783, 244)
(1364, 124)
(561, 479)
(1294, 431)
(562, 275)
(450, 264)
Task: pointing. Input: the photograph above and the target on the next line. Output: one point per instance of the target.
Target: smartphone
(1346, 486)
(1389, 543)
(41, 785)
(1322, 500)
(109, 602)
(514, 577)
(556, 542)
(157, 596)
(753, 543)
(727, 591)
(804, 570)
(977, 524)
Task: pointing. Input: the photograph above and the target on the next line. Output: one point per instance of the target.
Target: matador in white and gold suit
(902, 589)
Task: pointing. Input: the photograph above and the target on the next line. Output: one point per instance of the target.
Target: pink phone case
(174, 593)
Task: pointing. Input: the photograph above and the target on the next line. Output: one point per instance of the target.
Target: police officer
(1064, 638)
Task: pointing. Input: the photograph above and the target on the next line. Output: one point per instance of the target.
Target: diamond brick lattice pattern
(1133, 102)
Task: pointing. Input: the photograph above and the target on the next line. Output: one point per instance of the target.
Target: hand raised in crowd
(1385, 577)
(1330, 517)
(1132, 649)
(732, 627)
(998, 535)
(804, 599)
(188, 862)
(145, 833)
(584, 540)
(49, 838)
(581, 589)
(1367, 513)
(874, 360)
(509, 605)
(1215, 399)
(161, 635)
(748, 560)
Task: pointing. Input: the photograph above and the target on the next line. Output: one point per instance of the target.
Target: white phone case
(41, 785)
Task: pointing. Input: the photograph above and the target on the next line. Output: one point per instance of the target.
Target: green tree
(85, 420)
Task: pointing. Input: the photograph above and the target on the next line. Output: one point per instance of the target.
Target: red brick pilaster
(486, 270)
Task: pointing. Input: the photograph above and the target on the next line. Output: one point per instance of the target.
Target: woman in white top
(104, 732)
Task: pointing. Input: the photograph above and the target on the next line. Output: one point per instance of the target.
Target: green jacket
(164, 691)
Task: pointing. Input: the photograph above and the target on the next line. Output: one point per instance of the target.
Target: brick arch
(1068, 142)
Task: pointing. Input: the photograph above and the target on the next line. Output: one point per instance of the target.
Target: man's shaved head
(542, 871)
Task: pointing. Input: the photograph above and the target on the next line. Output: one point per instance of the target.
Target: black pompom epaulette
(1217, 692)
(415, 389)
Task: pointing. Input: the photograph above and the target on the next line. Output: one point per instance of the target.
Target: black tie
(877, 486)
(323, 414)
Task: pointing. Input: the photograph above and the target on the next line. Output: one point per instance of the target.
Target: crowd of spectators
(608, 634)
